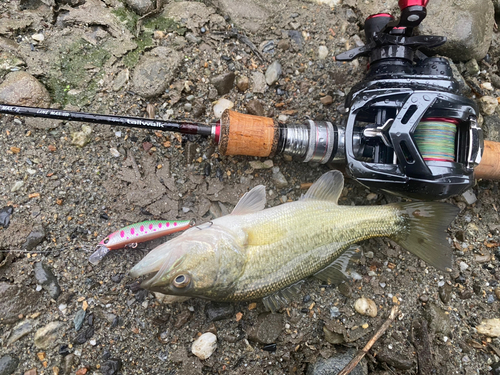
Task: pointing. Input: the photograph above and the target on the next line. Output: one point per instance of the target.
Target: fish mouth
(158, 264)
(161, 280)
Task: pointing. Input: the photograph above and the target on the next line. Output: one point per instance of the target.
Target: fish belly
(288, 243)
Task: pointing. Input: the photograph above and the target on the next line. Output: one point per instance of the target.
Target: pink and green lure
(131, 235)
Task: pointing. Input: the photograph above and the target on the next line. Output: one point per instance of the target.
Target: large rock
(16, 302)
(367, 8)
(467, 24)
(155, 71)
(141, 7)
(491, 128)
(21, 88)
(336, 363)
(248, 15)
(192, 15)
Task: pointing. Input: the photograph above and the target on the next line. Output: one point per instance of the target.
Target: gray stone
(467, 25)
(488, 105)
(257, 164)
(396, 359)
(16, 301)
(141, 7)
(218, 311)
(278, 178)
(472, 67)
(259, 83)
(17, 185)
(82, 137)
(67, 363)
(9, 63)
(45, 277)
(46, 337)
(121, 79)
(36, 236)
(439, 321)
(248, 15)
(469, 196)
(273, 73)
(223, 82)
(255, 107)
(495, 79)
(267, 328)
(445, 293)
(8, 364)
(242, 82)
(84, 336)
(336, 363)
(20, 330)
(21, 88)
(155, 71)
(191, 14)
(333, 337)
(78, 319)
(111, 366)
(491, 128)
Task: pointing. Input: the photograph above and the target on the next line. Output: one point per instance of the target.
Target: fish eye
(106, 240)
(181, 281)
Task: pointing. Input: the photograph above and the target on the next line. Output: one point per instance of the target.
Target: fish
(133, 234)
(265, 253)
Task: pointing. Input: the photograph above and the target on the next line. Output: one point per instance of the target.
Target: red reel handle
(409, 3)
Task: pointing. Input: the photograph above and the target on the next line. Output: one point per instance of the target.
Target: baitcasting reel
(409, 131)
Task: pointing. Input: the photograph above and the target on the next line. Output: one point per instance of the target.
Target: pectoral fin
(336, 272)
(281, 298)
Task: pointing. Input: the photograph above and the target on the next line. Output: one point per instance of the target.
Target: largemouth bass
(263, 253)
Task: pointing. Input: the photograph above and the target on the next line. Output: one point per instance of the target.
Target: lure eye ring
(106, 240)
(181, 280)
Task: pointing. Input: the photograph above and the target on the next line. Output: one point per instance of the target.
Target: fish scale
(275, 265)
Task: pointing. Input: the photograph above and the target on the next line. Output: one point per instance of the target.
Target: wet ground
(70, 186)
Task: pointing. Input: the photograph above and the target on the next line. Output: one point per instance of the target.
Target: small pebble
(204, 346)
(114, 152)
(38, 37)
(220, 106)
(242, 83)
(17, 185)
(326, 100)
(79, 318)
(366, 306)
(334, 312)
(463, 266)
(322, 52)
(111, 367)
(273, 73)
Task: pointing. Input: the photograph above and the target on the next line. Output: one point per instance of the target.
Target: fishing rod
(409, 130)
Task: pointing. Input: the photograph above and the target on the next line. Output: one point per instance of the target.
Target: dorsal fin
(252, 201)
(281, 298)
(336, 272)
(327, 188)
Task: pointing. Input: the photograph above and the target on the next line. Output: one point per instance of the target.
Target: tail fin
(425, 237)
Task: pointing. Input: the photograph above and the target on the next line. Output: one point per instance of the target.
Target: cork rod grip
(489, 168)
(242, 134)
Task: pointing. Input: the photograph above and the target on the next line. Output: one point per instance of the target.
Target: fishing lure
(131, 235)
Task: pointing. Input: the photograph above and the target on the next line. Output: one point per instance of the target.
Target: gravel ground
(70, 185)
